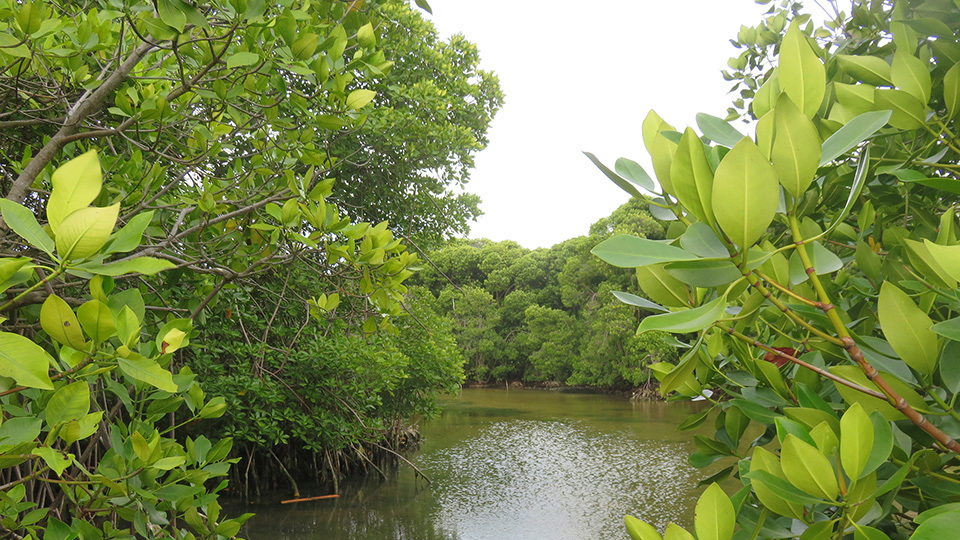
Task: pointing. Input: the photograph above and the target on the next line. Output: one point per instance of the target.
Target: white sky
(582, 76)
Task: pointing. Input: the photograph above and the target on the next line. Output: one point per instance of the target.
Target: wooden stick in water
(309, 499)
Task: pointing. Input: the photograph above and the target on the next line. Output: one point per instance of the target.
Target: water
(514, 465)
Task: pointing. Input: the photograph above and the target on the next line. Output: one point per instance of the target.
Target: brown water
(515, 465)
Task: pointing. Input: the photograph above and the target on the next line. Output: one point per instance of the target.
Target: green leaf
(911, 75)
(638, 301)
(950, 366)
(24, 361)
(96, 320)
(426, 7)
(60, 323)
(907, 329)
(626, 251)
(358, 98)
(700, 240)
(54, 459)
(140, 265)
(869, 69)
(129, 236)
(72, 402)
(745, 186)
(24, 223)
(305, 45)
(661, 287)
(783, 489)
(808, 469)
(882, 443)
(948, 257)
(859, 178)
(704, 273)
(171, 14)
(691, 320)
(939, 527)
(76, 184)
(679, 375)
(614, 177)
(908, 112)
(148, 371)
(868, 533)
(715, 517)
(796, 147)
(633, 172)
(869, 403)
(242, 59)
(692, 177)
(20, 430)
(801, 73)
(676, 532)
(85, 231)
(640, 530)
(856, 441)
(718, 130)
(755, 411)
(951, 90)
(853, 133)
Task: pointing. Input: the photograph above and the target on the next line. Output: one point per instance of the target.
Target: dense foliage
(827, 323)
(545, 314)
(178, 179)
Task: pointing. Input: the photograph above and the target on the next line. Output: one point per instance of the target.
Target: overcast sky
(582, 76)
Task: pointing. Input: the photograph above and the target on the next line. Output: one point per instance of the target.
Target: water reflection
(514, 465)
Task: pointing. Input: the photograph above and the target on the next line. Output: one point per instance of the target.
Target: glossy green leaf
(868, 69)
(676, 532)
(882, 443)
(908, 112)
(853, 133)
(808, 469)
(638, 301)
(24, 361)
(661, 287)
(129, 236)
(692, 177)
(633, 172)
(662, 158)
(704, 273)
(651, 127)
(54, 459)
(691, 320)
(680, 374)
(950, 366)
(939, 527)
(141, 265)
(718, 130)
(71, 402)
(859, 179)
(640, 530)
(148, 371)
(714, 518)
(868, 533)
(614, 177)
(783, 488)
(951, 90)
(76, 184)
(924, 263)
(60, 323)
(856, 440)
(626, 251)
(948, 257)
(855, 98)
(765, 463)
(744, 185)
(24, 223)
(796, 147)
(85, 231)
(96, 320)
(700, 240)
(359, 98)
(869, 403)
(802, 75)
(907, 329)
(242, 59)
(911, 75)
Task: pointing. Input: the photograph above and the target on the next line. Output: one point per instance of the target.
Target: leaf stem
(43, 282)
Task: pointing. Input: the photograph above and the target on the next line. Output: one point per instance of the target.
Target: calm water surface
(514, 465)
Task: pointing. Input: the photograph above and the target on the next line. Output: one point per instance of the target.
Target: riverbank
(647, 392)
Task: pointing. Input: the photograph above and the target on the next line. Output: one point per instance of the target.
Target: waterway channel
(514, 465)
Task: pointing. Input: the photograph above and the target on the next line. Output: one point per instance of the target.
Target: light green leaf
(148, 371)
(806, 468)
(366, 36)
(76, 184)
(908, 112)
(862, 532)
(652, 126)
(96, 320)
(911, 75)
(859, 178)
(626, 251)
(869, 69)
(856, 440)
(745, 188)
(72, 402)
(679, 375)
(23, 222)
(692, 177)
(882, 443)
(358, 98)
(242, 59)
(700, 240)
(661, 287)
(948, 257)
(85, 231)
(676, 532)
(802, 75)
(60, 323)
(633, 172)
(54, 459)
(718, 130)
(796, 147)
(140, 265)
(853, 133)
(907, 329)
(951, 90)
(614, 177)
(869, 403)
(129, 236)
(171, 14)
(638, 301)
(939, 527)
(715, 517)
(773, 489)
(24, 361)
(691, 320)
(704, 273)
(640, 530)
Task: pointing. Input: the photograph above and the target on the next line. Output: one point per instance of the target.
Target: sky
(581, 76)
